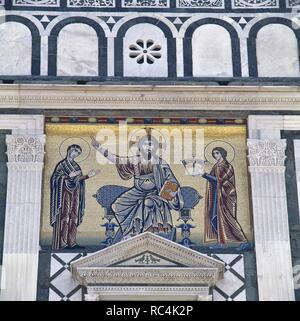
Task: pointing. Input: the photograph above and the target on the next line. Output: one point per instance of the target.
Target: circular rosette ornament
(193, 166)
(85, 146)
(219, 144)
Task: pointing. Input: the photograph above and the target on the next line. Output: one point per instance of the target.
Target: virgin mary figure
(67, 199)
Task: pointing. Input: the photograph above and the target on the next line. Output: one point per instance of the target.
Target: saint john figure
(221, 224)
(141, 208)
(67, 199)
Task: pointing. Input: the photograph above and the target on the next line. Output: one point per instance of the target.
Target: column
(22, 219)
(270, 218)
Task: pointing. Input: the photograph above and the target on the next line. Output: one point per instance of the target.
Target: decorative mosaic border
(157, 4)
(146, 121)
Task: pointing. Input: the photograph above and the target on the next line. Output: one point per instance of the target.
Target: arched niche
(277, 51)
(15, 49)
(212, 52)
(145, 49)
(77, 51)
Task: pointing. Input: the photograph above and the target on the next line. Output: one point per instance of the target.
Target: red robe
(221, 223)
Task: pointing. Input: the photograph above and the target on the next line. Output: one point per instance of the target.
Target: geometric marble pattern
(232, 287)
(91, 3)
(146, 3)
(62, 286)
(255, 4)
(200, 4)
(37, 3)
(293, 3)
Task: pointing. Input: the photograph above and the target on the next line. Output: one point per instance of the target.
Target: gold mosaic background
(90, 231)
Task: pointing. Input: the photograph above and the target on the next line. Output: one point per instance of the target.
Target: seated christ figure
(147, 205)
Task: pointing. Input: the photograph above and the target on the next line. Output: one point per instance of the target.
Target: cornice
(179, 97)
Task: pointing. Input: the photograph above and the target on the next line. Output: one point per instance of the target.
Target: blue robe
(65, 189)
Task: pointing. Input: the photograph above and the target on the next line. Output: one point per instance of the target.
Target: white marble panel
(212, 53)
(232, 287)
(77, 51)
(15, 49)
(145, 52)
(277, 52)
(62, 286)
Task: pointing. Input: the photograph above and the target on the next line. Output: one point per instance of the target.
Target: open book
(167, 190)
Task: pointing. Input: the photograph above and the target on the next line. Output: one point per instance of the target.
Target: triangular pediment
(148, 249)
(147, 259)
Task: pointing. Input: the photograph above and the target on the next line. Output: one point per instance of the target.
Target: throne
(108, 194)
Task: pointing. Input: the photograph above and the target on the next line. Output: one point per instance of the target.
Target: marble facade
(262, 130)
(232, 60)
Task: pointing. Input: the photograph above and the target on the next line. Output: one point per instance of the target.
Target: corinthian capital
(266, 152)
(25, 148)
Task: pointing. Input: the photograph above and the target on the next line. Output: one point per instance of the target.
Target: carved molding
(25, 149)
(136, 275)
(141, 243)
(150, 97)
(150, 289)
(267, 153)
(101, 268)
(198, 293)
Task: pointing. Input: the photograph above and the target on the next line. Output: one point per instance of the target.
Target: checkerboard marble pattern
(232, 287)
(62, 286)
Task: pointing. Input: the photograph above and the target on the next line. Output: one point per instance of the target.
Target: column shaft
(22, 218)
(270, 218)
